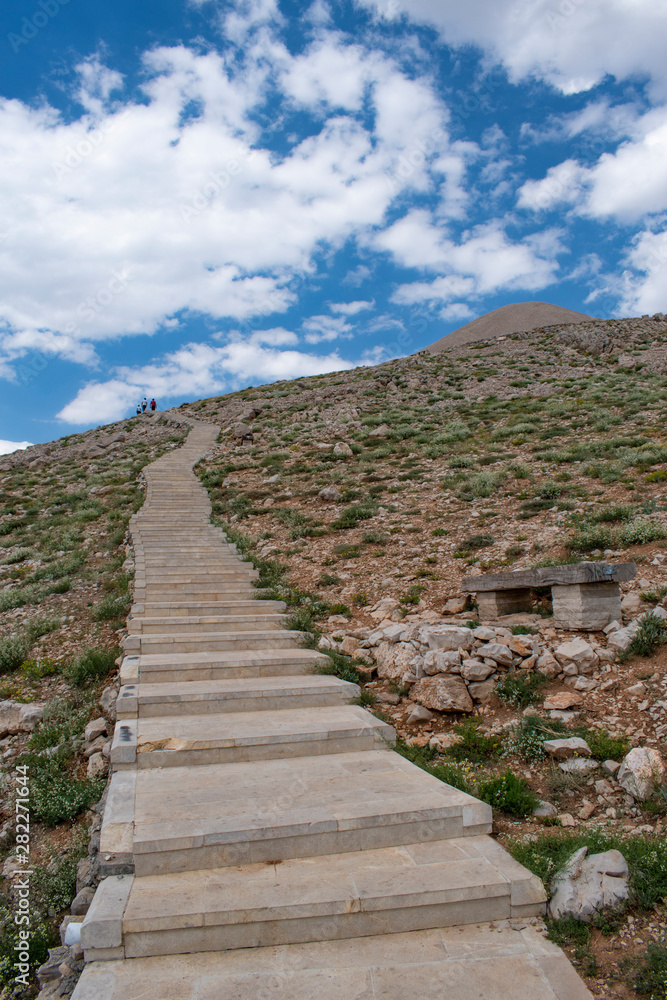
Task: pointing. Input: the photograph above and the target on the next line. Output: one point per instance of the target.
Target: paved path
(261, 841)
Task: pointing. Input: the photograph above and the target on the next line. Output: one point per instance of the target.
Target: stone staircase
(261, 841)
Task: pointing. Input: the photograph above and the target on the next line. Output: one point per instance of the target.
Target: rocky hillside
(365, 497)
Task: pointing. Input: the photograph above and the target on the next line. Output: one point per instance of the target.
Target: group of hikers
(144, 404)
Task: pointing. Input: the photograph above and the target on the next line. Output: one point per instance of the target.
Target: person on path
(153, 405)
(144, 404)
(138, 409)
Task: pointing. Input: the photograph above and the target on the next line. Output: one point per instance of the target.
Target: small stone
(562, 699)
(564, 749)
(631, 604)
(97, 727)
(578, 765)
(611, 766)
(82, 900)
(566, 819)
(342, 450)
(97, 766)
(330, 494)
(387, 698)
(349, 646)
(419, 714)
(637, 689)
(497, 652)
(587, 810)
(475, 670)
(455, 605)
(586, 885)
(545, 810)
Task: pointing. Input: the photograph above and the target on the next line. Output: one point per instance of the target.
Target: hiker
(144, 404)
(153, 405)
(138, 409)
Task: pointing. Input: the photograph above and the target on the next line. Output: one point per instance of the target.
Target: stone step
(195, 592)
(184, 667)
(203, 623)
(212, 642)
(193, 740)
(474, 962)
(184, 609)
(145, 701)
(214, 574)
(217, 815)
(331, 897)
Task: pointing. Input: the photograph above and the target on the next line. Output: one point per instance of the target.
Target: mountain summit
(517, 317)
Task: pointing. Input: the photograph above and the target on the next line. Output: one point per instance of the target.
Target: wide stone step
(195, 592)
(218, 815)
(186, 667)
(185, 609)
(212, 641)
(331, 897)
(203, 623)
(178, 575)
(498, 961)
(145, 701)
(193, 740)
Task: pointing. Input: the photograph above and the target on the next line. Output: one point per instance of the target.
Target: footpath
(261, 840)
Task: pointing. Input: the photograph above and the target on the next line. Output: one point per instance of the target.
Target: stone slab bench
(584, 595)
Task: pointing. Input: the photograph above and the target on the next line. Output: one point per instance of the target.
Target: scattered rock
(95, 728)
(564, 749)
(641, 771)
(579, 652)
(444, 693)
(342, 450)
(545, 810)
(17, 718)
(97, 766)
(419, 714)
(455, 605)
(562, 700)
(330, 494)
(497, 652)
(586, 885)
(578, 765)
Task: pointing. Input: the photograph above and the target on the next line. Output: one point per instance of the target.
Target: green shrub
(111, 609)
(340, 666)
(521, 689)
(353, 515)
(56, 793)
(509, 793)
(531, 732)
(13, 651)
(473, 745)
(650, 977)
(603, 745)
(652, 633)
(639, 532)
(475, 542)
(91, 665)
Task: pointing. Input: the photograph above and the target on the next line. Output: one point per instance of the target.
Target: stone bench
(584, 595)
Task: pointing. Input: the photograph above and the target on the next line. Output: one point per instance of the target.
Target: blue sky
(197, 195)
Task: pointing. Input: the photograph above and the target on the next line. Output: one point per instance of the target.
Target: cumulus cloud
(627, 184)
(194, 370)
(483, 261)
(7, 447)
(571, 45)
(352, 308)
(644, 284)
(139, 212)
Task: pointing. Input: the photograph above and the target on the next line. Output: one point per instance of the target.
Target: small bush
(13, 651)
(353, 515)
(90, 666)
(530, 734)
(473, 745)
(652, 633)
(521, 689)
(340, 666)
(111, 609)
(509, 793)
(650, 978)
(475, 542)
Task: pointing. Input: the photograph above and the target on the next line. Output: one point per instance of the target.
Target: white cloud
(485, 256)
(572, 45)
(138, 212)
(7, 447)
(194, 370)
(320, 328)
(440, 290)
(352, 308)
(628, 184)
(644, 285)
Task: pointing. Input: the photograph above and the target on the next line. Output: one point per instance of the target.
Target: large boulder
(443, 693)
(444, 637)
(395, 661)
(588, 884)
(18, 718)
(498, 652)
(578, 652)
(641, 771)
